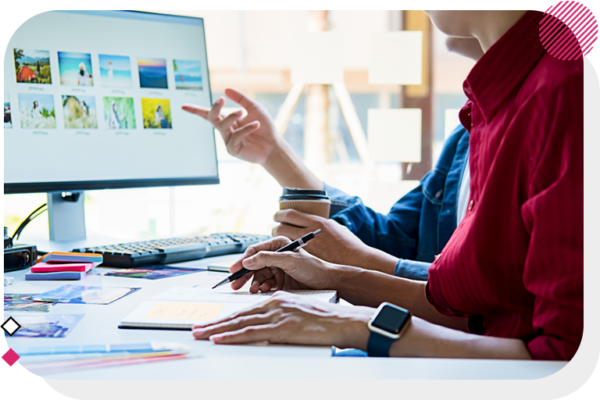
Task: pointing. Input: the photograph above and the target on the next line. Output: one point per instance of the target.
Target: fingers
(289, 231)
(233, 325)
(296, 218)
(197, 110)
(229, 120)
(254, 309)
(214, 115)
(240, 98)
(240, 282)
(270, 259)
(236, 138)
(272, 244)
(247, 335)
(263, 281)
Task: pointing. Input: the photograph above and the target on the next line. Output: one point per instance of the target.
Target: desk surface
(222, 362)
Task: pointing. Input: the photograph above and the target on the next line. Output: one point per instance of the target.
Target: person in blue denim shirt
(402, 242)
(420, 224)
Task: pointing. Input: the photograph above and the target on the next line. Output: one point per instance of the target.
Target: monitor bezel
(74, 186)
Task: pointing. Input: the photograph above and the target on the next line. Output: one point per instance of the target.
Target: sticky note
(185, 311)
(395, 134)
(451, 120)
(317, 58)
(396, 58)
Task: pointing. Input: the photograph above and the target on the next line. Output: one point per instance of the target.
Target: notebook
(183, 307)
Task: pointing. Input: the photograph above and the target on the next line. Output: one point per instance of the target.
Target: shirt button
(471, 204)
(437, 257)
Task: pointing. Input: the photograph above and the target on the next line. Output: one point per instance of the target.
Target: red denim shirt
(514, 266)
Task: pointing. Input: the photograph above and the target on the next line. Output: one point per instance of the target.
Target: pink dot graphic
(568, 30)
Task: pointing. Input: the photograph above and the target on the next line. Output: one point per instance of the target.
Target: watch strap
(379, 345)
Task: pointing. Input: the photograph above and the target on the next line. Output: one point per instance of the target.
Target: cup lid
(303, 194)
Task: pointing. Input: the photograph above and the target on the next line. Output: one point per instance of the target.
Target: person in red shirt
(509, 283)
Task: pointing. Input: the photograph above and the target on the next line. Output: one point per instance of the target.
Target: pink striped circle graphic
(568, 30)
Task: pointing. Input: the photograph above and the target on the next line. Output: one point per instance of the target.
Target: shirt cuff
(415, 270)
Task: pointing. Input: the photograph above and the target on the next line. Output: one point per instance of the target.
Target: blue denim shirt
(420, 224)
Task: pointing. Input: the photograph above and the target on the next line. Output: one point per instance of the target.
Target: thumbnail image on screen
(157, 113)
(119, 113)
(7, 112)
(115, 71)
(75, 69)
(37, 111)
(79, 112)
(32, 66)
(153, 73)
(188, 75)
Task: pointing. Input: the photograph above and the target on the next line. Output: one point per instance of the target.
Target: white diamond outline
(14, 322)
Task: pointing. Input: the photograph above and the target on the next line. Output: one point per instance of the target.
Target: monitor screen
(93, 100)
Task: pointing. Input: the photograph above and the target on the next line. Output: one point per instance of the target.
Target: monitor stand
(66, 216)
(66, 220)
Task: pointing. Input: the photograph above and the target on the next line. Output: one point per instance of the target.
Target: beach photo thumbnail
(32, 66)
(188, 75)
(153, 73)
(119, 112)
(7, 112)
(156, 113)
(115, 71)
(36, 111)
(79, 112)
(75, 69)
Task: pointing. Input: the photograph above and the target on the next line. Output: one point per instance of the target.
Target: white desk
(222, 362)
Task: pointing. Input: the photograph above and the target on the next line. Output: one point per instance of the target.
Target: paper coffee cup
(315, 202)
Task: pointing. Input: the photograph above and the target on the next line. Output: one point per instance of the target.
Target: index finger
(194, 109)
(296, 218)
(240, 98)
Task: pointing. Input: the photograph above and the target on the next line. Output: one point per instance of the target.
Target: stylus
(294, 246)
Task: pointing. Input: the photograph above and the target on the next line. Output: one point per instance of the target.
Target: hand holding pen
(290, 247)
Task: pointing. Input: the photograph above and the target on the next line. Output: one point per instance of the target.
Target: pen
(294, 246)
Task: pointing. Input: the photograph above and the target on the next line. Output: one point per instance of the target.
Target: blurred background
(254, 51)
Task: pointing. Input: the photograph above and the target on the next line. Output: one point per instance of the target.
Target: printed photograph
(32, 66)
(119, 112)
(37, 111)
(7, 113)
(153, 73)
(151, 273)
(79, 112)
(75, 69)
(188, 75)
(156, 113)
(23, 302)
(85, 294)
(46, 325)
(115, 71)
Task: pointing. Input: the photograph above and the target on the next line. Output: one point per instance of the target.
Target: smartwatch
(386, 326)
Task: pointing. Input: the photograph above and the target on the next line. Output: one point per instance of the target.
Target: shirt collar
(505, 65)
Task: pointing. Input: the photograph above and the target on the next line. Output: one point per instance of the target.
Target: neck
(490, 29)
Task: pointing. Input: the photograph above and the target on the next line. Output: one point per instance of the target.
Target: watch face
(391, 319)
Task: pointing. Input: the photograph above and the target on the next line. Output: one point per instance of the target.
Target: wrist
(289, 170)
(353, 331)
(377, 260)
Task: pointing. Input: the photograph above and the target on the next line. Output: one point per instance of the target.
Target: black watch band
(379, 345)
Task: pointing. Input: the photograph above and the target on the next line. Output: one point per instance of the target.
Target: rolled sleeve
(415, 270)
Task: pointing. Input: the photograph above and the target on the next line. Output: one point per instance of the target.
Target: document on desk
(183, 307)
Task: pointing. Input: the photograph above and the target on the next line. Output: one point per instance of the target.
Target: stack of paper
(60, 266)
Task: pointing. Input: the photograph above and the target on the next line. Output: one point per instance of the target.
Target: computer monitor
(93, 101)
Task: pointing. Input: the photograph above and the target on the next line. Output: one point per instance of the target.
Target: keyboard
(167, 251)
